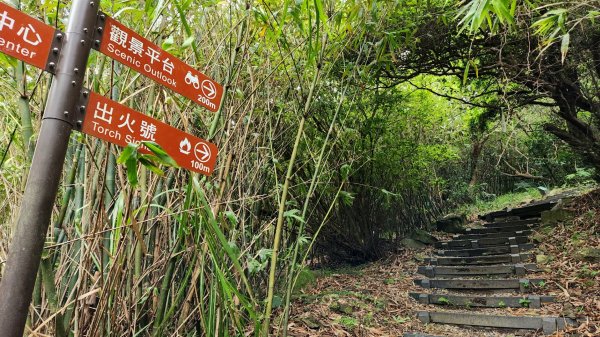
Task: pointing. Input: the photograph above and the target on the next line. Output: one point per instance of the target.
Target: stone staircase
(487, 268)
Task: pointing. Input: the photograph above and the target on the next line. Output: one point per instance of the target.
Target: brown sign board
(120, 125)
(131, 49)
(24, 37)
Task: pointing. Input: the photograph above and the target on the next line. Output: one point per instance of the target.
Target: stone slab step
(522, 285)
(529, 211)
(492, 235)
(442, 271)
(548, 325)
(480, 243)
(530, 301)
(493, 250)
(534, 209)
(480, 260)
(504, 229)
(531, 222)
(418, 334)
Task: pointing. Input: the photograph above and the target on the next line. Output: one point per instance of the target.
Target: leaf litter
(373, 300)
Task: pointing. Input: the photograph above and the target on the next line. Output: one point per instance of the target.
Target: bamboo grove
(315, 155)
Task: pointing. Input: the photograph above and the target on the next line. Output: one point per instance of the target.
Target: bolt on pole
(25, 250)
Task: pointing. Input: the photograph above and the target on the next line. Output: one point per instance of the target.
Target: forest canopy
(345, 126)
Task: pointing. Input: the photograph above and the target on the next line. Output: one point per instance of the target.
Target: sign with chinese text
(24, 37)
(136, 52)
(120, 125)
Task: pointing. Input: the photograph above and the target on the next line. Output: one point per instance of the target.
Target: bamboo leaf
(564, 46)
(188, 42)
(129, 151)
(131, 165)
(162, 156)
(294, 214)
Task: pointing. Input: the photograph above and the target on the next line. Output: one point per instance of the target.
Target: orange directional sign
(134, 51)
(24, 37)
(120, 125)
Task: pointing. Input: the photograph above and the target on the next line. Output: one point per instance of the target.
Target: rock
(419, 258)
(556, 215)
(589, 254)
(412, 244)
(423, 237)
(542, 259)
(451, 223)
(342, 308)
(311, 322)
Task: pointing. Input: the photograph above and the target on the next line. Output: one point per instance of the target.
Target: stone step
(448, 271)
(418, 334)
(492, 235)
(548, 325)
(534, 209)
(531, 222)
(522, 285)
(529, 211)
(480, 243)
(530, 301)
(480, 260)
(504, 229)
(493, 250)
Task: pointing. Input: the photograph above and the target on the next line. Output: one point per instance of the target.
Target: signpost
(66, 55)
(25, 38)
(120, 125)
(134, 51)
(29, 235)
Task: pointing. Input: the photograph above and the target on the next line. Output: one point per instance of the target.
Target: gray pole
(59, 118)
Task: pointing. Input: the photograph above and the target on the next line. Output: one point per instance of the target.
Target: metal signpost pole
(59, 118)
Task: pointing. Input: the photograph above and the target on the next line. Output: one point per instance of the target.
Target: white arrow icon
(202, 152)
(209, 89)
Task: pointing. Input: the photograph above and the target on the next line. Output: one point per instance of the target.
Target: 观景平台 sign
(136, 52)
(24, 37)
(120, 125)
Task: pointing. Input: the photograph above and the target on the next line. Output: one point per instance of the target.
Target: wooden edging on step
(482, 243)
(492, 250)
(523, 285)
(511, 269)
(475, 260)
(530, 301)
(492, 230)
(532, 221)
(493, 235)
(549, 325)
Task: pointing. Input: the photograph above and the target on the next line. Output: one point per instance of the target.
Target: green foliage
(132, 155)
(376, 157)
(501, 201)
(401, 319)
(581, 176)
(524, 302)
(349, 323)
(478, 14)
(587, 272)
(306, 278)
(444, 300)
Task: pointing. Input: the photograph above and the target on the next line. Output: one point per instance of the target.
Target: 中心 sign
(24, 37)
